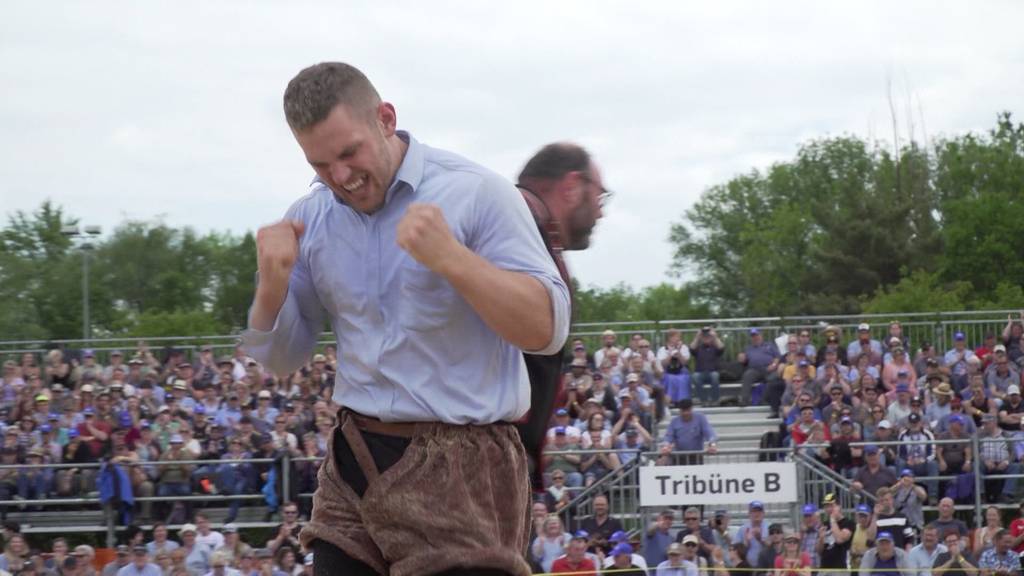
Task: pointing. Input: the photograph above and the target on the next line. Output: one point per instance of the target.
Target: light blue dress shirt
(410, 348)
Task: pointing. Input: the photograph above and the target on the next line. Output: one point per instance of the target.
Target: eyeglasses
(604, 194)
(691, 519)
(690, 544)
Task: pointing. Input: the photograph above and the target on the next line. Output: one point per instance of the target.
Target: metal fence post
(111, 536)
(285, 478)
(976, 461)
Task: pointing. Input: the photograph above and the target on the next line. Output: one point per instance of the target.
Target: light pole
(72, 232)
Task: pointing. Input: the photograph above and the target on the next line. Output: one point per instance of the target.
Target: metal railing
(934, 327)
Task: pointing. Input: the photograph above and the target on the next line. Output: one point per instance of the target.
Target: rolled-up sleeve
(506, 235)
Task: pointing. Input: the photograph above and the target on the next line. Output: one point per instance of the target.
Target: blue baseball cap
(144, 423)
(53, 416)
(906, 472)
(581, 534)
(199, 409)
(559, 430)
(88, 353)
(622, 548)
(956, 418)
(125, 418)
(46, 428)
(88, 411)
(863, 509)
(959, 336)
(754, 331)
(884, 536)
(561, 412)
(902, 387)
(810, 509)
(871, 449)
(756, 505)
(618, 536)
(73, 433)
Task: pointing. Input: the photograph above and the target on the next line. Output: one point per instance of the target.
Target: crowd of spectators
(194, 549)
(827, 541)
(143, 415)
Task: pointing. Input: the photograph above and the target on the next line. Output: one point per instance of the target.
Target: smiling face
(355, 153)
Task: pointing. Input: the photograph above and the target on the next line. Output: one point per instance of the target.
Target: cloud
(138, 109)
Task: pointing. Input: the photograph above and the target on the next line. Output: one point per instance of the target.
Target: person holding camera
(674, 359)
(707, 349)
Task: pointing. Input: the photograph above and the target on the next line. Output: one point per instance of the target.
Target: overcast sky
(142, 110)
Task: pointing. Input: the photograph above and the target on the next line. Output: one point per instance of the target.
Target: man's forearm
(515, 305)
(266, 304)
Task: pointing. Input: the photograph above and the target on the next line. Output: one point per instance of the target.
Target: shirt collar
(410, 171)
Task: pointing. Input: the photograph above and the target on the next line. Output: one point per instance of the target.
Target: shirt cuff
(561, 308)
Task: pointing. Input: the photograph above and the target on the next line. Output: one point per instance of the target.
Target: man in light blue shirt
(140, 564)
(433, 276)
(922, 557)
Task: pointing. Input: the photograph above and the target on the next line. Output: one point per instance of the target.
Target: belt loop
(359, 448)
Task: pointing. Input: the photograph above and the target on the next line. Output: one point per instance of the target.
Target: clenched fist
(424, 234)
(277, 248)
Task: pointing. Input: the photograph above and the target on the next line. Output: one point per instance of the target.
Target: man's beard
(580, 224)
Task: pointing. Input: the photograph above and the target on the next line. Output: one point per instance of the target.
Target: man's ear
(387, 118)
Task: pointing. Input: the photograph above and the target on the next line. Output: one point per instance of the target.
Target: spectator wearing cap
(760, 360)
(602, 394)
(265, 410)
(956, 360)
(1011, 413)
(886, 558)
(996, 456)
(233, 546)
(94, 432)
(557, 495)
(873, 475)
(174, 477)
(864, 532)
(770, 550)
(231, 413)
(122, 558)
(607, 344)
(689, 431)
(939, 394)
(793, 561)
(899, 407)
(956, 411)
(908, 497)
(927, 368)
(575, 560)
(620, 561)
(283, 439)
(864, 345)
(34, 482)
(834, 541)
(754, 532)
(674, 353)
(707, 348)
(917, 452)
(552, 543)
(806, 425)
(116, 363)
(180, 393)
(657, 537)
(630, 439)
(197, 556)
(954, 454)
(596, 437)
(675, 563)
(705, 534)
(235, 476)
(899, 371)
(48, 441)
(812, 532)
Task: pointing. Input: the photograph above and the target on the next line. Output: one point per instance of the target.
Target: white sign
(718, 484)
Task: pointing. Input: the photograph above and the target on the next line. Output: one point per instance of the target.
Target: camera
(705, 330)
